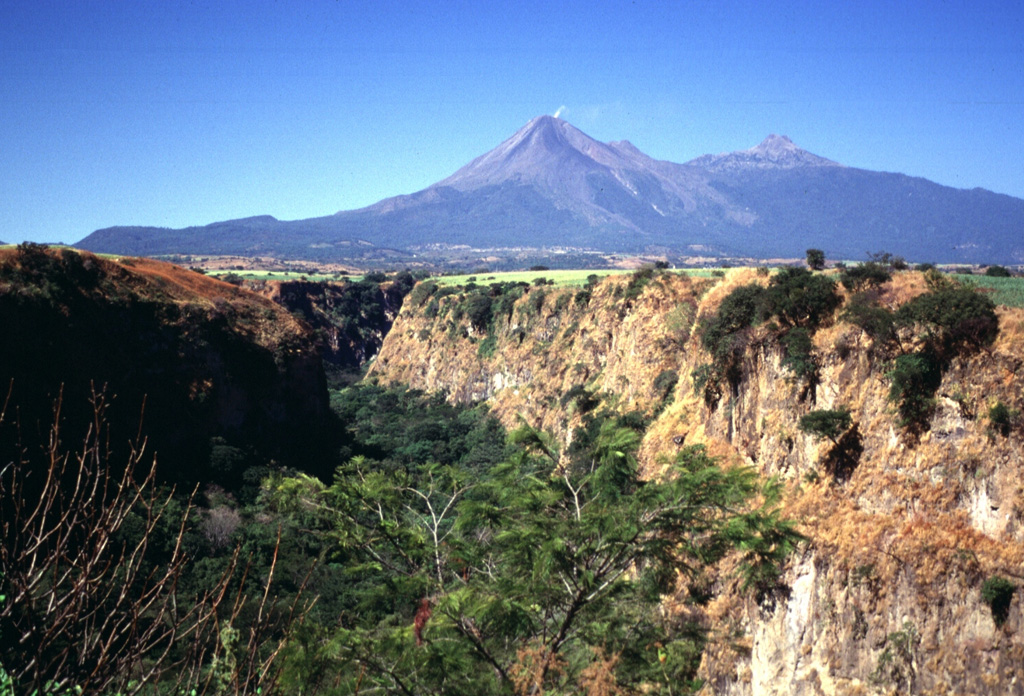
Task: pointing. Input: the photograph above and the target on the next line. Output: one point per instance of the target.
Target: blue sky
(169, 113)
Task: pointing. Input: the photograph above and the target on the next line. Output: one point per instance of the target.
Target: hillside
(550, 185)
(912, 531)
(193, 362)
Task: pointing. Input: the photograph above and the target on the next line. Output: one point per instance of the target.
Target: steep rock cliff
(887, 594)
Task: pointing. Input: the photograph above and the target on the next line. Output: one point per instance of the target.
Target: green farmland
(1004, 291)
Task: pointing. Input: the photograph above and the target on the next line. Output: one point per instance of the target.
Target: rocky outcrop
(893, 591)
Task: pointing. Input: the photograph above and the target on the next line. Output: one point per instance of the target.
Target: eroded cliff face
(181, 357)
(350, 320)
(886, 595)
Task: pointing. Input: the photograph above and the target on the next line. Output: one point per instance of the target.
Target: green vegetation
(998, 592)
(444, 555)
(1008, 292)
(865, 275)
(838, 427)
(1002, 419)
(877, 322)
(829, 424)
(954, 319)
(794, 304)
(530, 573)
(559, 278)
(914, 379)
(815, 259)
(442, 558)
(896, 665)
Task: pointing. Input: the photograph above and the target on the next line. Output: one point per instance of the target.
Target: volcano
(551, 185)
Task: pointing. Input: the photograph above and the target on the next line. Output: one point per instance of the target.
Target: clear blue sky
(120, 112)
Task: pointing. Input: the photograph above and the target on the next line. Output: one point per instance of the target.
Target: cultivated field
(1005, 291)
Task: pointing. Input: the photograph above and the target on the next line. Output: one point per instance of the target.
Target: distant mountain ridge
(774, 152)
(551, 185)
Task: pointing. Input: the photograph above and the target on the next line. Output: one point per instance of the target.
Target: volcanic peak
(545, 149)
(774, 152)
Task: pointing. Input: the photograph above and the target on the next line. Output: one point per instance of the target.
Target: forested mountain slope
(888, 404)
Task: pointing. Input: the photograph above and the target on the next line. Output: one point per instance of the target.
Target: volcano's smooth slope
(551, 185)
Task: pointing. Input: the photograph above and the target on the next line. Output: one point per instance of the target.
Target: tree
(815, 259)
(956, 319)
(998, 272)
(838, 427)
(865, 275)
(538, 574)
(827, 424)
(798, 297)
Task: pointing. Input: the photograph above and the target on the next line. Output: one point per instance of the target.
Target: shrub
(665, 382)
(997, 272)
(505, 299)
(877, 322)
(827, 424)
(960, 319)
(884, 258)
(638, 281)
(896, 662)
(535, 302)
(679, 322)
(998, 592)
(738, 310)
(478, 310)
(487, 347)
(915, 377)
(585, 401)
(1002, 418)
(705, 383)
(562, 302)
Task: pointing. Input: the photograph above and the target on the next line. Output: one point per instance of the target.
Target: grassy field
(1005, 291)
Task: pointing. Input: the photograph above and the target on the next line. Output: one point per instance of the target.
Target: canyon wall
(909, 581)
